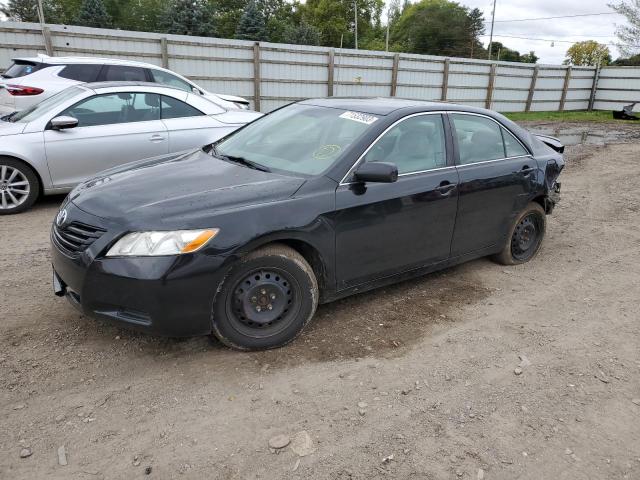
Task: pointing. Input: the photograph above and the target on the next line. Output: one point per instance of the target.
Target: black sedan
(316, 201)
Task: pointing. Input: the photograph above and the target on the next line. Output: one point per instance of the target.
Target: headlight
(149, 244)
(241, 106)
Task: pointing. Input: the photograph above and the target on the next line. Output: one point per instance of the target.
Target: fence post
(492, 79)
(256, 76)
(594, 87)
(563, 97)
(532, 88)
(164, 52)
(331, 66)
(445, 80)
(48, 45)
(394, 74)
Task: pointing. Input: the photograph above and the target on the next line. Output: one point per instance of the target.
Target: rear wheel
(265, 300)
(19, 186)
(525, 237)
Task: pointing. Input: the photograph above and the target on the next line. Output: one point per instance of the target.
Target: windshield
(299, 138)
(45, 106)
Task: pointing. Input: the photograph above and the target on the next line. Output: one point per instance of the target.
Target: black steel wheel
(525, 238)
(265, 300)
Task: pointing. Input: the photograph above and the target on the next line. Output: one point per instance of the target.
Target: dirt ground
(415, 381)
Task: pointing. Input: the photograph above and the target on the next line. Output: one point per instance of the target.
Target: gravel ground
(480, 371)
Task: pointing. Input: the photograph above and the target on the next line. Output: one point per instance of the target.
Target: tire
(265, 300)
(19, 186)
(520, 246)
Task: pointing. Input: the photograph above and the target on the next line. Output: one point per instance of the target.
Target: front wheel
(19, 186)
(525, 237)
(265, 300)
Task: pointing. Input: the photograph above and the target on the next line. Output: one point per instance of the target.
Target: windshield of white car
(303, 139)
(46, 106)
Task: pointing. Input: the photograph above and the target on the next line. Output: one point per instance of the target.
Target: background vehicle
(31, 80)
(69, 137)
(315, 201)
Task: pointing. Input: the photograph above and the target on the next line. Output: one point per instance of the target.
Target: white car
(69, 137)
(31, 80)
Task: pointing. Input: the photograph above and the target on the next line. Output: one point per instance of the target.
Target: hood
(184, 189)
(8, 128)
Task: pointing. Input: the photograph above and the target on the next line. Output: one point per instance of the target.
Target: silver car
(54, 145)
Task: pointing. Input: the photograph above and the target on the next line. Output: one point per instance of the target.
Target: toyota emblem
(62, 217)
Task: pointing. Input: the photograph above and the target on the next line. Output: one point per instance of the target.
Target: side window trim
(504, 146)
(448, 149)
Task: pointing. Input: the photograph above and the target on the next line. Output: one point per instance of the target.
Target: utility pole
(386, 43)
(40, 13)
(493, 19)
(355, 10)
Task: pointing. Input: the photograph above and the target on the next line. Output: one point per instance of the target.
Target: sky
(600, 28)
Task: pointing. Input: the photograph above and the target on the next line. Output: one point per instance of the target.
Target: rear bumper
(554, 197)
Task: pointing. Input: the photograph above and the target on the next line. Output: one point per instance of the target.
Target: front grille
(76, 237)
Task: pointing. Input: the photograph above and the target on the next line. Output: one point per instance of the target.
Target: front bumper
(169, 296)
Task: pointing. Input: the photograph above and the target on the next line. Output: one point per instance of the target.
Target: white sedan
(69, 137)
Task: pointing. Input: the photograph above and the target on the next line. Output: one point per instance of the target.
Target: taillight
(21, 91)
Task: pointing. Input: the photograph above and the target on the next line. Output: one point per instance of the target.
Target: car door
(497, 177)
(188, 127)
(113, 129)
(387, 228)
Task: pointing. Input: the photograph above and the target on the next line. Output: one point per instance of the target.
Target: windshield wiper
(240, 160)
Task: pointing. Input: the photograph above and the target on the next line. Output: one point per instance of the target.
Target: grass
(570, 116)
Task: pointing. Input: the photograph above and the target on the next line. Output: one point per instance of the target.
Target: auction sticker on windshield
(359, 117)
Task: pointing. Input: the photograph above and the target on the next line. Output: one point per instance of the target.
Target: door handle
(526, 170)
(156, 138)
(445, 188)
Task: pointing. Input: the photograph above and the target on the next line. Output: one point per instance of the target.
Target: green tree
(476, 28)
(189, 17)
(502, 53)
(334, 19)
(252, 25)
(436, 27)
(301, 34)
(628, 35)
(55, 11)
(588, 52)
(93, 13)
(631, 61)
(530, 57)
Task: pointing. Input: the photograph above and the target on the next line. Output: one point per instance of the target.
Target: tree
(93, 13)
(334, 19)
(189, 17)
(252, 25)
(632, 61)
(588, 52)
(436, 27)
(530, 57)
(55, 11)
(301, 34)
(628, 35)
(476, 28)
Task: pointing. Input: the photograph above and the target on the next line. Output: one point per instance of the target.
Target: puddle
(589, 135)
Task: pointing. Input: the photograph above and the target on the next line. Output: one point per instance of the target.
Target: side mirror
(61, 123)
(379, 172)
(196, 91)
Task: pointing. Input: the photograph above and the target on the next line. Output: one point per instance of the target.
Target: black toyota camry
(313, 202)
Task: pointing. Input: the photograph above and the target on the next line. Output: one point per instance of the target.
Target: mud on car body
(316, 201)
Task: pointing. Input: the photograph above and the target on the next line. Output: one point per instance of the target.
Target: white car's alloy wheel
(14, 187)
(17, 184)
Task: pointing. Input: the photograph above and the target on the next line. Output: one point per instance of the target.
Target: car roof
(386, 105)
(73, 60)
(128, 84)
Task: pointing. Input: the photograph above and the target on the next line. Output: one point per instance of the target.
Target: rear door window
(174, 108)
(22, 68)
(80, 72)
(479, 138)
(123, 73)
